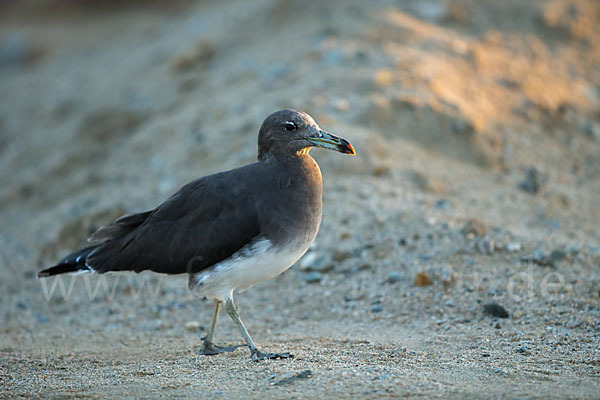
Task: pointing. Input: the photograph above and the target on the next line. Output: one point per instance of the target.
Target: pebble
(534, 180)
(315, 262)
(474, 227)
(556, 256)
(524, 351)
(442, 204)
(427, 184)
(291, 377)
(421, 279)
(495, 310)
(192, 326)
(333, 57)
(513, 247)
(486, 245)
(394, 277)
(313, 277)
(431, 11)
(376, 309)
(339, 255)
(17, 51)
(592, 129)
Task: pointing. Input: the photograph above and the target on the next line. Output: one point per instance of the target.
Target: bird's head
(295, 132)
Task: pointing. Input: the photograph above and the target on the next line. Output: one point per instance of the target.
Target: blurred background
(477, 128)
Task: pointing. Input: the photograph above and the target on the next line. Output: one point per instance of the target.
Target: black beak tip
(346, 148)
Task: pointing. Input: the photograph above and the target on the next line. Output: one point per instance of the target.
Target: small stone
(539, 257)
(315, 262)
(394, 277)
(376, 309)
(17, 51)
(313, 277)
(199, 54)
(474, 227)
(556, 256)
(486, 245)
(340, 255)
(428, 184)
(431, 11)
(448, 277)
(495, 310)
(421, 279)
(333, 57)
(442, 204)
(524, 351)
(592, 129)
(498, 326)
(308, 260)
(513, 247)
(342, 105)
(534, 180)
(192, 326)
(291, 378)
(364, 267)
(381, 170)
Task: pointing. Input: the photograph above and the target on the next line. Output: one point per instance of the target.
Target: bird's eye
(290, 126)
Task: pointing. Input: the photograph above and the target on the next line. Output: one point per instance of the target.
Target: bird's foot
(259, 356)
(211, 349)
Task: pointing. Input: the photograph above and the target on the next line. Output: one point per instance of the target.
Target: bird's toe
(211, 349)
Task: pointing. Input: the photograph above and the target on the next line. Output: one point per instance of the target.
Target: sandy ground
(477, 181)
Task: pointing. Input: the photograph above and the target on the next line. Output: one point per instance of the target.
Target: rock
(592, 129)
(556, 256)
(313, 277)
(495, 310)
(524, 351)
(18, 51)
(448, 277)
(291, 378)
(543, 259)
(339, 255)
(394, 277)
(376, 309)
(442, 204)
(201, 53)
(192, 326)
(428, 184)
(434, 12)
(486, 245)
(422, 279)
(315, 262)
(534, 180)
(333, 57)
(474, 227)
(513, 247)
(381, 170)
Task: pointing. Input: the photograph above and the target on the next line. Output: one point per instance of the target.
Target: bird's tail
(72, 263)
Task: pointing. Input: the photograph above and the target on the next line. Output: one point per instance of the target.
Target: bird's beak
(332, 142)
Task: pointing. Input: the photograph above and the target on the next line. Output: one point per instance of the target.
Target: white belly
(252, 264)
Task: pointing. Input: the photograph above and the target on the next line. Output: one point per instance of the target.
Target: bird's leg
(208, 347)
(256, 355)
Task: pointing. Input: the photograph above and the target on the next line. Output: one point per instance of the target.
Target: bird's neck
(300, 190)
